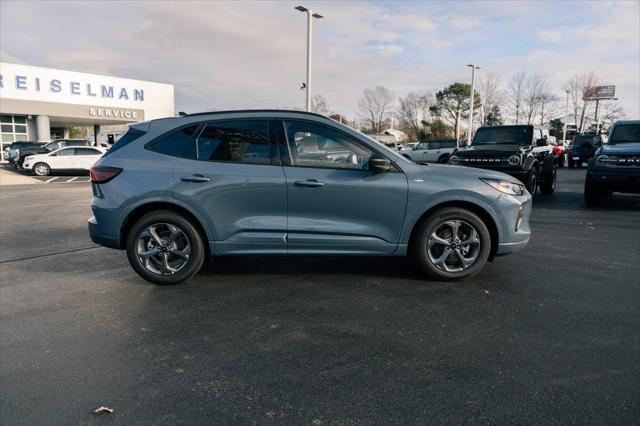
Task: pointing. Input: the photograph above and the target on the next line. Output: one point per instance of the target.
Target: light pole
(473, 89)
(310, 15)
(566, 117)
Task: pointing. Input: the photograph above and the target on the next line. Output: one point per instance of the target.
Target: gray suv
(174, 191)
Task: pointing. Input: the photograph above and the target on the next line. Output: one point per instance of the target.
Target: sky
(236, 54)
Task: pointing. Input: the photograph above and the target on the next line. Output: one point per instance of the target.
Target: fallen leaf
(486, 291)
(102, 410)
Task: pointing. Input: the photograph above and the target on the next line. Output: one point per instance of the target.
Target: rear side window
(131, 135)
(179, 143)
(87, 151)
(244, 141)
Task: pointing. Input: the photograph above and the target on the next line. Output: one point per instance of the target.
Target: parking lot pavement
(547, 335)
(11, 176)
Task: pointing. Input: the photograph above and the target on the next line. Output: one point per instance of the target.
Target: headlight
(505, 186)
(454, 159)
(602, 160)
(514, 160)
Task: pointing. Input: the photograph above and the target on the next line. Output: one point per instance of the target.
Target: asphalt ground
(547, 335)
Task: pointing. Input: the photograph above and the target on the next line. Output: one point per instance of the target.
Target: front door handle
(195, 178)
(313, 183)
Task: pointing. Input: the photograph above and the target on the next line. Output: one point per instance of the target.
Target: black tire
(444, 159)
(195, 257)
(409, 158)
(594, 193)
(578, 164)
(41, 169)
(531, 181)
(421, 252)
(549, 185)
(570, 163)
(561, 161)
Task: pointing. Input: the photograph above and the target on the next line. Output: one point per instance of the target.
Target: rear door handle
(195, 178)
(313, 183)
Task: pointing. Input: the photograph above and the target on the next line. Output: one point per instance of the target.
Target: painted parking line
(54, 178)
(74, 178)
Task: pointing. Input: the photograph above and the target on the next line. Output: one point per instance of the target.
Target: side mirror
(542, 142)
(379, 163)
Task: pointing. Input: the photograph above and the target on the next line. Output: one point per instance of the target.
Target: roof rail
(254, 110)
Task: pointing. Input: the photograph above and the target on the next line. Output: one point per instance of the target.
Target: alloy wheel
(41, 170)
(454, 246)
(163, 248)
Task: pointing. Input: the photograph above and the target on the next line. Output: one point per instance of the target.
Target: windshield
(512, 135)
(624, 133)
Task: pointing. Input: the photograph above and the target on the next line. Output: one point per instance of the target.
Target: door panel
(243, 204)
(235, 187)
(353, 211)
(335, 204)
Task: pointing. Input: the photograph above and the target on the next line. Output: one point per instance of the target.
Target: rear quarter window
(178, 143)
(131, 135)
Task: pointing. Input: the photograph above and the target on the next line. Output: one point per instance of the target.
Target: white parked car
(64, 159)
(432, 151)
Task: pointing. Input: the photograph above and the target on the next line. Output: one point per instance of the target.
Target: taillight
(570, 148)
(103, 174)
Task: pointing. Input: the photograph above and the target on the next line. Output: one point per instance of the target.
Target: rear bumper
(100, 238)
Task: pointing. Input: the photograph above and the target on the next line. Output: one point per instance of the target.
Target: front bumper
(616, 179)
(100, 238)
(516, 231)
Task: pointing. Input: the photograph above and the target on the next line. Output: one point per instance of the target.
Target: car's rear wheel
(164, 247)
(444, 159)
(594, 193)
(41, 169)
(452, 244)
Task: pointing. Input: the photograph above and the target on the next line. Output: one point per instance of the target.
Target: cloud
(549, 36)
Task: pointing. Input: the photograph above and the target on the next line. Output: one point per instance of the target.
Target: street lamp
(473, 83)
(566, 117)
(310, 14)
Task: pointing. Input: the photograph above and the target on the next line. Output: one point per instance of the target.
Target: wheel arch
(484, 215)
(151, 206)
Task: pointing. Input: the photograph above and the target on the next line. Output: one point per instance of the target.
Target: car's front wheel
(452, 244)
(41, 169)
(594, 193)
(549, 184)
(164, 247)
(531, 181)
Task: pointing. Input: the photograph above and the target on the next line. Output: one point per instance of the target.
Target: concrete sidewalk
(9, 176)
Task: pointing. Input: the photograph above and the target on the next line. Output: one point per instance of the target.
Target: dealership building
(44, 104)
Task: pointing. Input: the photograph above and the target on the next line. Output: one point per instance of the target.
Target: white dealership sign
(111, 96)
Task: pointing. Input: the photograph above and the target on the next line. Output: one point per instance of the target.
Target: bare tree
(548, 106)
(516, 88)
(375, 106)
(610, 112)
(490, 92)
(577, 86)
(413, 109)
(534, 89)
(319, 105)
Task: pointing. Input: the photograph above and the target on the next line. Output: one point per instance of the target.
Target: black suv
(523, 151)
(616, 165)
(46, 147)
(582, 148)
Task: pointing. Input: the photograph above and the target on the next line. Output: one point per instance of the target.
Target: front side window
(312, 145)
(243, 141)
(422, 145)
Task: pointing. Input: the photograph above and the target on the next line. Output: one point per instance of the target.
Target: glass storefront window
(13, 128)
